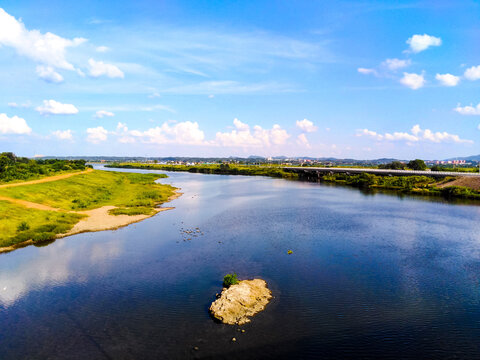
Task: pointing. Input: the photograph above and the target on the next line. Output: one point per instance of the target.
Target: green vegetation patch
(422, 185)
(15, 169)
(96, 189)
(19, 224)
(140, 210)
(230, 279)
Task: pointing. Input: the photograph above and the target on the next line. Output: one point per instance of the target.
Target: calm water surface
(371, 276)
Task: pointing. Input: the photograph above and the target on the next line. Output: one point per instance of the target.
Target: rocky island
(241, 301)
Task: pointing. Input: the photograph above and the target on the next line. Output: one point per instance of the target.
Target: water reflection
(52, 266)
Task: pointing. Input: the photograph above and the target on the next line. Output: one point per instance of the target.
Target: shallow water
(370, 276)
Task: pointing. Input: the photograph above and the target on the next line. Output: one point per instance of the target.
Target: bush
(230, 279)
(23, 226)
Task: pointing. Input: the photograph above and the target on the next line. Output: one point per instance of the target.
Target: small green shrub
(23, 226)
(230, 279)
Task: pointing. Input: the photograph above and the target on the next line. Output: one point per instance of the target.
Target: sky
(345, 79)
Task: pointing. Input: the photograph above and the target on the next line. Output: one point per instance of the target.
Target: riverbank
(222, 169)
(448, 187)
(91, 201)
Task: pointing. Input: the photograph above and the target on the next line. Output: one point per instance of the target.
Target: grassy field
(18, 224)
(133, 194)
(95, 189)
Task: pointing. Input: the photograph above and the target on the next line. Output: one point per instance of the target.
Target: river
(370, 276)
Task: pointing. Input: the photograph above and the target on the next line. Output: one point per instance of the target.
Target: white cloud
(419, 43)
(468, 110)
(412, 80)
(367, 71)
(154, 95)
(15, 105)
(472, 73)
(242, 136)
(102, 49)
(448, 79)
(366, 132)
(306, 125)
(103, 113)
(48, 49)
(52, 107)
(99, 68)
(13, 125)
(303, 141)
(416, 134)
(63, 134)
(122, 127)
(395, 64)
(97, 135)
(49, 74)
(187, 133)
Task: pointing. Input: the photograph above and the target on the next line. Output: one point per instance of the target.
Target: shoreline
(98, 220)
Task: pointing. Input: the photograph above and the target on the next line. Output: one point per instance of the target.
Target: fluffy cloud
(395, 64)
(472, 73)
(52, 107)
(49, 74)
(468, 110)
(48, 49)
(102, 49)
(97, 135)
(416, 134)
(103, 113)
(242, 136)
(63, 135)
(306, 125)
(366, 71)
(419, 43)
(13, 125)
(187, 133)
(412, 80)
(99, 68)
(448, 79)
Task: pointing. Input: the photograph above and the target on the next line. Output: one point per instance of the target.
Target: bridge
(318, 171)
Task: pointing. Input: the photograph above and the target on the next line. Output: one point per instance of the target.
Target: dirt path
(47, 179)
(471, 182)
(28, 204)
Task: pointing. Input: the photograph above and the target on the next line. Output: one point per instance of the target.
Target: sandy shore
(96, 220)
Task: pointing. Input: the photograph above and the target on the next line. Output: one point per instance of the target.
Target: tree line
(13, 167)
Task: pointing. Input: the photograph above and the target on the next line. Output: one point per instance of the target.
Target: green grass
(133, 194)
(18, 224)
(96, 189)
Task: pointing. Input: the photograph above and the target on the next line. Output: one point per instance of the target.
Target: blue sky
(358, 79)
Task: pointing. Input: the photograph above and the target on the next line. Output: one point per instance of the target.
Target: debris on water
(289, 252)
(189, 234)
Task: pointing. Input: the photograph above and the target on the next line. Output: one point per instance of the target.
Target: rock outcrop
(241, 301)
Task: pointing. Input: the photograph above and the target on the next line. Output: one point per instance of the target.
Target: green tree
(417, 164)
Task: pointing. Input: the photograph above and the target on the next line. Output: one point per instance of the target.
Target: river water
(370, 276)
